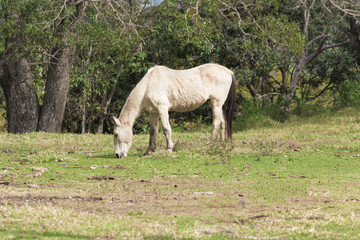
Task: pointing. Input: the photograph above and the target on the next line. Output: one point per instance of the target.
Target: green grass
(296, 180)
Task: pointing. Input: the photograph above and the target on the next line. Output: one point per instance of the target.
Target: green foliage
(182, 35)
(348, 94)
(305, 109)
(285, 35)
(253, 116)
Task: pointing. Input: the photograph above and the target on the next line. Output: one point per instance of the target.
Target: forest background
(67, 65)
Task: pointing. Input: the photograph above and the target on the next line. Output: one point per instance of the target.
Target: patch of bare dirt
(116, 197)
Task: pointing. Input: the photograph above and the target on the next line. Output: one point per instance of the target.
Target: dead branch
(347, 7)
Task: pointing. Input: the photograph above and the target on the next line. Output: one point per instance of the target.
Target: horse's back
(185, 90)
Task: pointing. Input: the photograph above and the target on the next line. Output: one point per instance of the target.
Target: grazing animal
(163, 89)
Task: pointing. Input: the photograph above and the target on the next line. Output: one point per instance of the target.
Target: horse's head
(123, 136)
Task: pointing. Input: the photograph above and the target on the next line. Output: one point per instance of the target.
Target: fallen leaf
(354, 200)
(15, 160)
(33, 175)
(273, 174)
(298, 176)
(99, 178)
(8, 151)
(24, 163)
(39, 169)
(119, 166)
(250, 219)
(5, 213)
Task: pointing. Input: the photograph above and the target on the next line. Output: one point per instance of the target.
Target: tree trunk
(22, 106)
(83, 119)
(295, 79)
(58, 78)
(56, 90)
(353, 34)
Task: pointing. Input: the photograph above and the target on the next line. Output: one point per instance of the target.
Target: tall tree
(110, 52)
(351, 10)
(22, 105)
(315, 45)
(60, 67)
(31, 31)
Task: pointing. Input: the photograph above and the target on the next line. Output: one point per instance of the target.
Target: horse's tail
(229, 107)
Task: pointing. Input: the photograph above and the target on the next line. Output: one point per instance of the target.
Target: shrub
(253, 116)
(305, 109)
(348, 94)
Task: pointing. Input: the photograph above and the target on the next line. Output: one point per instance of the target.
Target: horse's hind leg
(218, 120)
(154, 126)
(164, 116)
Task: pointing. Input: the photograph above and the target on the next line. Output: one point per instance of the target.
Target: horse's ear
(115, 120)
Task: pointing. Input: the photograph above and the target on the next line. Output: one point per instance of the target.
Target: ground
(297, 180)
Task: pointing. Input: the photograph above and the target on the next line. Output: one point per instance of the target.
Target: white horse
(163, 89)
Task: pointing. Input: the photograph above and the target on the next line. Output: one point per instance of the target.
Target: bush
(348, 94)
(303, 109)
(253, 116)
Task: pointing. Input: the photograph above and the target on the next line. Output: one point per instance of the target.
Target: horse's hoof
(148, 152)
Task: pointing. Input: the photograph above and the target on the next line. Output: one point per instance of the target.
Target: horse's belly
(187, 104)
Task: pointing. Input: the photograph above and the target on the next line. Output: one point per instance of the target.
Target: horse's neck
(133, 106)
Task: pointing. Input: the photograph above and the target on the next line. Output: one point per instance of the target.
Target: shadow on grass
(39, 235)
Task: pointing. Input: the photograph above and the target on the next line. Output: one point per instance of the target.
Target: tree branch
(319, 50)
(311, 42)
(320, 93)
(268, 94)
(335, 45)
(349, 9)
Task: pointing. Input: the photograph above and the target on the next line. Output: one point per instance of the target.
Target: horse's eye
(115, 134)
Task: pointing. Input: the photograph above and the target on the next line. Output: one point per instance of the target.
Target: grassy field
(296, 180)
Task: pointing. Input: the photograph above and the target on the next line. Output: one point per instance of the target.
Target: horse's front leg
(164, 116)
(154, 126)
